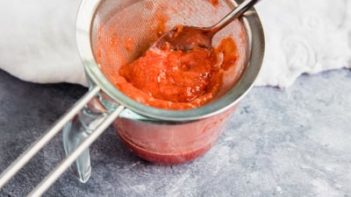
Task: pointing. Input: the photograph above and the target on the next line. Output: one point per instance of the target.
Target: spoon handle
(237, 12)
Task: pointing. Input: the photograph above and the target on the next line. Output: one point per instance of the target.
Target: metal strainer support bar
(67, 162)
(25, 157)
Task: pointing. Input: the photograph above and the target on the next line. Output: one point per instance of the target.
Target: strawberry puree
(172, 79)
(176, 79)
(214, 2)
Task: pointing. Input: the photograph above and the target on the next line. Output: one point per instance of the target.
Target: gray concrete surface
(293, 142)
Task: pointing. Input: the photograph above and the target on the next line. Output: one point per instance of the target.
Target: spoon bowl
(186, 38)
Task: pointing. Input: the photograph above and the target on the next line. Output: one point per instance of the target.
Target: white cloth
(37, 39)
(304, 36)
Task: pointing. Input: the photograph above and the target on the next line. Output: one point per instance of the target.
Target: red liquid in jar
(171, 144)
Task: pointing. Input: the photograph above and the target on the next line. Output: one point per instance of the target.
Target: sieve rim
(256, 47)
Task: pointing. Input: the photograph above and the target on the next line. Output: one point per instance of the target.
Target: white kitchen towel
(37, 39)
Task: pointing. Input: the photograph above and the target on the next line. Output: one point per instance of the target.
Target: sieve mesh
(123, 30)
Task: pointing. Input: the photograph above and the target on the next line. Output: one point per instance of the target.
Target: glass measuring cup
(154, 134)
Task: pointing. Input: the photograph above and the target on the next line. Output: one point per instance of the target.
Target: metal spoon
(188, 37)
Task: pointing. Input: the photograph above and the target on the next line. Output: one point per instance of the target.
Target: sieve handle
(69, 160)
(25, 157)
(237, 12)
(96, 128)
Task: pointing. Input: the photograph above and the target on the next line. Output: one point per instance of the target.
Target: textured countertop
(293, 142)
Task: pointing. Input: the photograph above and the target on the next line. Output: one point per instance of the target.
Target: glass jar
(157, 135)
